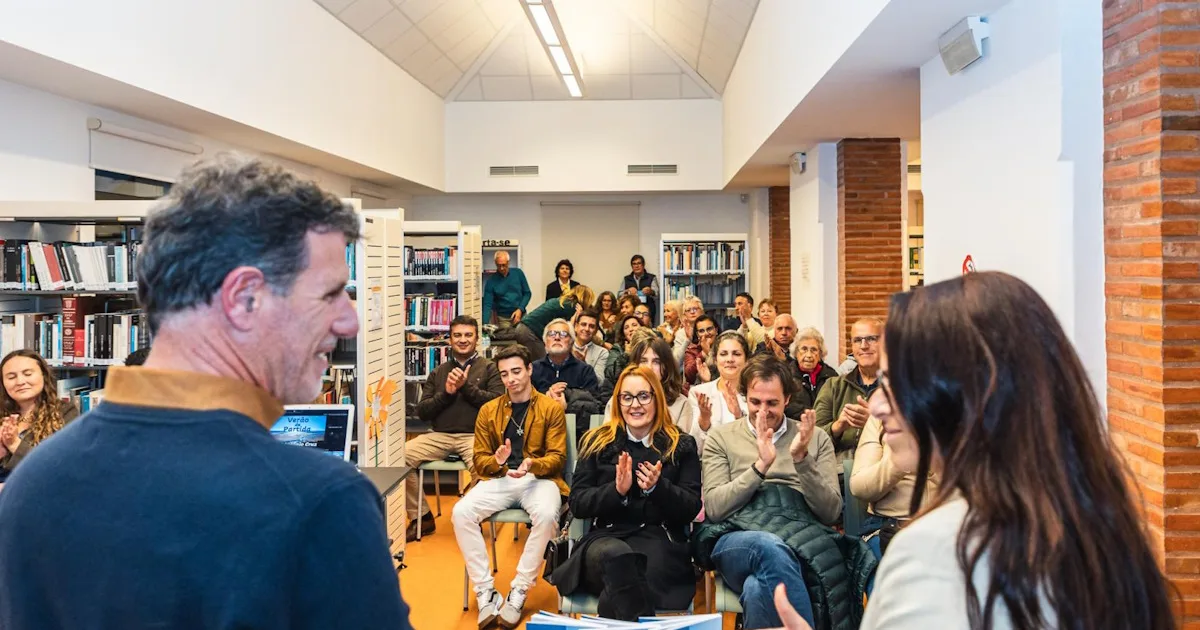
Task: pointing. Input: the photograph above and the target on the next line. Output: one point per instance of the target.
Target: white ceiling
(486, 50)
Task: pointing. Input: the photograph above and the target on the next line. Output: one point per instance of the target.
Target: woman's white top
(720, 411)
(920, 585)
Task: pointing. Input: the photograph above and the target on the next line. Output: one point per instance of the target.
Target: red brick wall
(1152, 268)
(780, 228)
(870, 262)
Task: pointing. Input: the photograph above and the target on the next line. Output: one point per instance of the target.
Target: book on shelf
(352, 263)
(430, 311)
(338, 387)
(65, 266)
(711, 257)
(718, 292)
(431, 261)
(96, 339)
(420, 361)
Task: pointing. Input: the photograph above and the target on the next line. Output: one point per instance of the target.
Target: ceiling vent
(914, 169)
(652, 169)
(513, 171)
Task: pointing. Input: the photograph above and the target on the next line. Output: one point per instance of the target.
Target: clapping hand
(776, 349)
(853, 415)
(503, 452)
(804, 434)
(731, 401)
(705, 406)
(557, 393)
(647, 475)
(454, 380)
(765, 442)
(624, 473)
(521, 470)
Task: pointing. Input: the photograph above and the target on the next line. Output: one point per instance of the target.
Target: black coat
(656, 525)
(554, 289)
(805, 397)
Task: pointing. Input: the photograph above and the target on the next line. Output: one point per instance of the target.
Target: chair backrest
(572, 450)
(854, 511)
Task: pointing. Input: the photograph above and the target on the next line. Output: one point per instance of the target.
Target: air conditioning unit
(962, 45)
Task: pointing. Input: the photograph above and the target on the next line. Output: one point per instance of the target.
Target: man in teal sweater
(505, 294)
(170, 505)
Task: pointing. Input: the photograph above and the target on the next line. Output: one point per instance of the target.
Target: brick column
(1152, 268)
(780, 233)
(871, 265)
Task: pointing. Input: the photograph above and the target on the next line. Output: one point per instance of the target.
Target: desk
(384, 479)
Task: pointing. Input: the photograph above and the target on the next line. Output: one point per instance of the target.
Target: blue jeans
(754, 563)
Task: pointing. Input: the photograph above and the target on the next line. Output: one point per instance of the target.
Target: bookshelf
(436, 291)
(67, 288)
(714, 267)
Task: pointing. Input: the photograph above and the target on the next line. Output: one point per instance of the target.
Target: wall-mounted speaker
(962, 45)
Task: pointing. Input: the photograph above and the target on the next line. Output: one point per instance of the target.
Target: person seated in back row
(841, 404)
(520, 452)
(638, 482)
(450, 402)
(30, 406)
(770, 493)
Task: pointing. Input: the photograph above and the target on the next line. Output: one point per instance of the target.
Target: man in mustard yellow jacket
(520, 453)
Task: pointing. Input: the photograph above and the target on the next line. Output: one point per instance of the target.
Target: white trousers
(538, 497)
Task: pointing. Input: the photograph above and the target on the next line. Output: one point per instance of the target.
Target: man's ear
(242, 295)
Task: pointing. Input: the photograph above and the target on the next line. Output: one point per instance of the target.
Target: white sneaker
(489, 607)
(510, 613)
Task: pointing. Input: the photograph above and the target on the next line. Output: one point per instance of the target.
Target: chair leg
(516, 530)
(466, 589)
(437, 490)
(708, 591)
(495, 566)
(420, 499)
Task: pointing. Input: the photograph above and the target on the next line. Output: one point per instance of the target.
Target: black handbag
(558, 549)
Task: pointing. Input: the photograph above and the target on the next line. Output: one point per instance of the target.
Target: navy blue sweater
(575, 373)
(144, 517)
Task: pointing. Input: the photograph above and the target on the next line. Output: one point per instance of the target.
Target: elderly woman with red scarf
(810, 370)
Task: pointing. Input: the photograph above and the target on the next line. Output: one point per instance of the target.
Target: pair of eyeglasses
(869, 340)
(642, 398)
(692, 309)
(808, 350)
(558, 334)
(705, 331)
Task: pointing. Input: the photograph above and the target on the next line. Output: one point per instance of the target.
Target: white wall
(814, 214)
(789, 48)
(520, 218)
(45, 156)
(583, 145)
(286, 67)
(1011, 155)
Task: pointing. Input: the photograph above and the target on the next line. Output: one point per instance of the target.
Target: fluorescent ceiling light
(560, 59)
(572, 85)
(541, 19)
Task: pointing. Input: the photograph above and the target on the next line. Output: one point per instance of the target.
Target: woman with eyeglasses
(693, 308)
(1033, 523)
(696, 368)
(718, 402)
(638, 483)
(655, 354)
(812, 370)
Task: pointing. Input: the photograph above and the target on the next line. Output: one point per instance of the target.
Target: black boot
(626, 595)
(426, 524)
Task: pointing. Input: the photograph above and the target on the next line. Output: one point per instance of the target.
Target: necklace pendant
(520, 432)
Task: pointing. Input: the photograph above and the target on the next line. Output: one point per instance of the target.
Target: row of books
(420, 361)
(338, 387)
(64, 266)
(712, 291)
(437, 261)
(430, 311)
(85, 392)
(100, 339)
(704, 258)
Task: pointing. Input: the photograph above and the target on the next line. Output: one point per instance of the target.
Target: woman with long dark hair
(1033, 523)
(607, 304)
(29, 405)
(638, 482)
(655, 354)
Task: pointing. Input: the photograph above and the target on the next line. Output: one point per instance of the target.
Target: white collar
(774, 438)
(644, 441)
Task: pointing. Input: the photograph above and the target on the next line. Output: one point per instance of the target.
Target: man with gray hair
(559, 370)
(506, 294)
(170, 505)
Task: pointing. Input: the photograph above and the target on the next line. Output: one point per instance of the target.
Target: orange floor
(433, 580)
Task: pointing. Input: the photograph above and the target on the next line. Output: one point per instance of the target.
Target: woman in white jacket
(718, 402)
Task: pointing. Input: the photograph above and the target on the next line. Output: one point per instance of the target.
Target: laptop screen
(325, 428)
